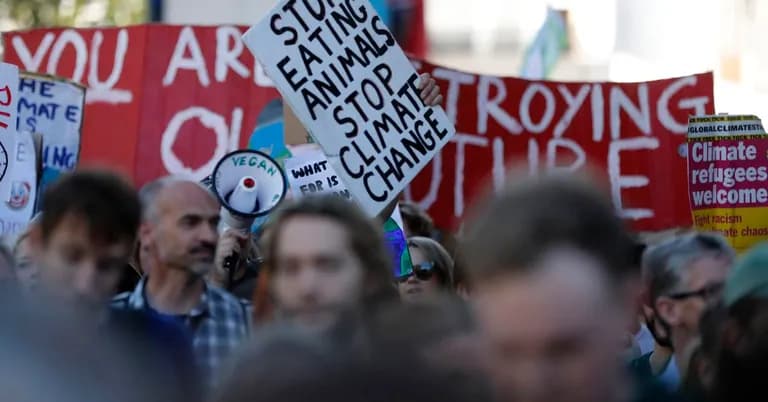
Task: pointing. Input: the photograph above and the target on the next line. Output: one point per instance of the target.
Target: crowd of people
(114, 294)
(119, 295)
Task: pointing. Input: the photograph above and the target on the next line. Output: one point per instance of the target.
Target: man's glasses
(707, 293)
(422, 272)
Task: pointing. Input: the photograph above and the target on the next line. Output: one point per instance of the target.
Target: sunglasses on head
(422, 272)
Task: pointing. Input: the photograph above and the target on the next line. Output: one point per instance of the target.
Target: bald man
(179, 233)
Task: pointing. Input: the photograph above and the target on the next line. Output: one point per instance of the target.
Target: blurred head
(54, 354)
(325, 257)
(27, 272)
(572, 337)
(180, 227)
(634, 325)
(460, 279)
(416, 221)
(743, 338)
(441, 330)
(432, 270)
(684, 276)
(551, 253)
(85, 236)
(700, 378)
(294, 366)
(743, 356)
(7, 272)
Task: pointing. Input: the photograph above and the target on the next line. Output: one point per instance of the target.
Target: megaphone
(249, 184)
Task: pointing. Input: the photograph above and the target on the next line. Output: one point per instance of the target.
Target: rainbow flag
(398, 245)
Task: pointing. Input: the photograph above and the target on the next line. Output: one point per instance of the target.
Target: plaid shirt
(218, 325)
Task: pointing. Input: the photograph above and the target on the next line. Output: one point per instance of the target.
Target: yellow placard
(743, 227)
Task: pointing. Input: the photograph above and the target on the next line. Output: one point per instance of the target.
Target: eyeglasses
(423, 272)
(708, 292)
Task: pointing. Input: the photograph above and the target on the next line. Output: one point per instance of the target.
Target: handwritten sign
(9, 82)
(310, 173)
(18, 208)
(728, 177)
(52, 107)
(351, 85)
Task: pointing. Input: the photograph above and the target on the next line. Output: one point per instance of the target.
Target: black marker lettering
(308, 57)
(293, 36)
(289, 75)
(384, 73)
(337, 115)
(430, 116)
(353, 174)
(376, 197)
(311, 101)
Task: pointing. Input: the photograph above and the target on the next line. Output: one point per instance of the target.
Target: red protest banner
(160, 98)
(176, 98)
(635, 131)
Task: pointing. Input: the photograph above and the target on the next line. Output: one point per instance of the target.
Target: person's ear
(668, 310)
(145, 235)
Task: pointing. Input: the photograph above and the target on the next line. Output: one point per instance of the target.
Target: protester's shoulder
(221, 296)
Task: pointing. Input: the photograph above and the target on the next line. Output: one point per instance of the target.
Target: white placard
(353, 88)
(19, 207)
(53, 107)
(310, 173)
(9, 86)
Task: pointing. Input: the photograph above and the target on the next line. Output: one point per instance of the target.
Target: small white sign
(309, 173)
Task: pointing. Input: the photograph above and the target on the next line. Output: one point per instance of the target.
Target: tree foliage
(71, 13)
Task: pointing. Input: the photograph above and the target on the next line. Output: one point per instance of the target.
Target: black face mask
(665, 339)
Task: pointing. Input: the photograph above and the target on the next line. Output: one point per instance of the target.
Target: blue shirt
(217, 325)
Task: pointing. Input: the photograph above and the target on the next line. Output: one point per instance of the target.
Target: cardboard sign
(728, 177)
(19, 207)
(310, 173)
(203, 95)
(349, 83)
(52, 107)
(9, 97)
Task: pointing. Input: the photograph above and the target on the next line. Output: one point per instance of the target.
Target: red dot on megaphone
(249, 183)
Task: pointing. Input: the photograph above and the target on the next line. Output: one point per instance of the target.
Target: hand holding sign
(348, 82)
(430, 91)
